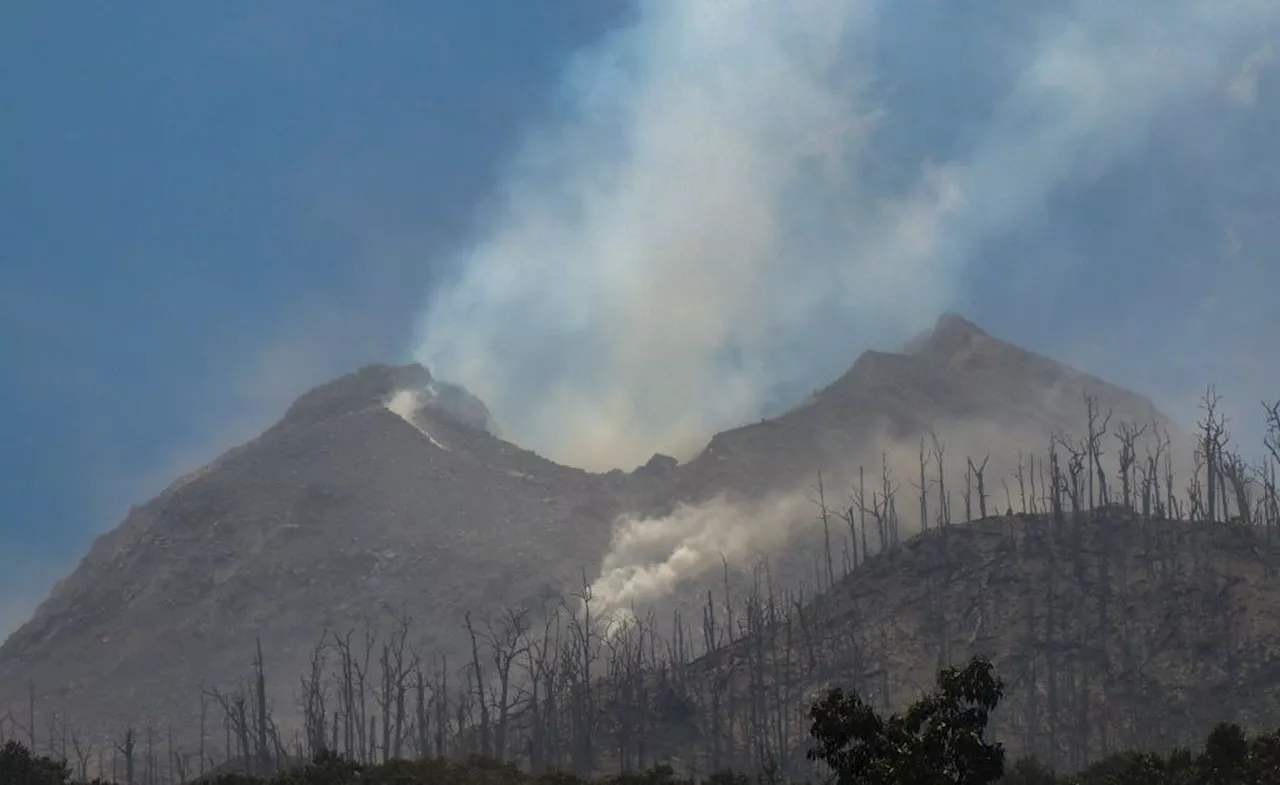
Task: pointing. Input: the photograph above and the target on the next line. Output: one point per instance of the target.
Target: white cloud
(1244, 87)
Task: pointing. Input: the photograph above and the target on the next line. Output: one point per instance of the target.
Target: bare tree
(944, 504)
(346, 694)
(1077, 454)
(978, 471)
(968, 490)
(312, 700)
(1266, 471)
(541, 666)
(923, 487)
(263, 751)
(236, 721)
(83, 753)
(441, 699)
(1272, 439)
(1021, 476)
(507, 643)
(204, 712)
(1033, 502)
(825, 517)
(889, 507)
(1171, 507)
(127, 748)
(1128, 434)
(1055, 483)
(585, 645)
(1097, 428)
(31, 715)
(361, 667)
(859, 498)
(1237, 474)
(1212, 440)
(392, 690)
(477, 681)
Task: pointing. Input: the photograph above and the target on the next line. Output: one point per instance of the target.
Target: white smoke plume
(706, 215)
(649, 557)
(406, 404)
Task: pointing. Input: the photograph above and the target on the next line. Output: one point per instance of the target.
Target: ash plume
(718, 204)
(649, 557)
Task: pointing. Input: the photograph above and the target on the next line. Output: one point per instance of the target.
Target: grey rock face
(343, 509)
(455, 401)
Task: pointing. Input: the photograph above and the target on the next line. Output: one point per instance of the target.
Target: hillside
(339, 509)
(982, 399)
(1111, 631)
(991, 396)
(1099, 625)
(345, 510)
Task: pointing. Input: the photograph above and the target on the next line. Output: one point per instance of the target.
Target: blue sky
(207, 208)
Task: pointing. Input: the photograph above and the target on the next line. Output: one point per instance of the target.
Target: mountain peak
(951, 331)
(369, 386)
(954, 337)
(951, 323)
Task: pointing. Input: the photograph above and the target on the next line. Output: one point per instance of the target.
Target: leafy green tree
(1225, 760)
(19, 767)
(940, 740)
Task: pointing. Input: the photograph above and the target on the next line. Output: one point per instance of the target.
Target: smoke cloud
(652, 560)
(649, 557)
(722, 202)
(406, 404)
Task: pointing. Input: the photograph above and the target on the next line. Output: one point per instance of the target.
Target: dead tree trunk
(1093, 447)
(826, 530)
(128, 749)
(968, 490)
(923, 487)
(1236, 473)
(944, 502)
(1020, 476)
(506, 645)
(477, 685)
(978, 474)
(263, 751)
(1212, 429)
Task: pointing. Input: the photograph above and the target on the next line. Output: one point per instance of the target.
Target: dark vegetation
(938, 740)
(558, 694)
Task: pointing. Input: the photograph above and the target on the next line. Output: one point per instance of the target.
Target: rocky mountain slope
(341, 507)
(991, 395)
(346, 506)
(1111, 631)
(982, 398)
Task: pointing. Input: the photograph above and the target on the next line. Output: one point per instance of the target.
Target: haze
(623, 227)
